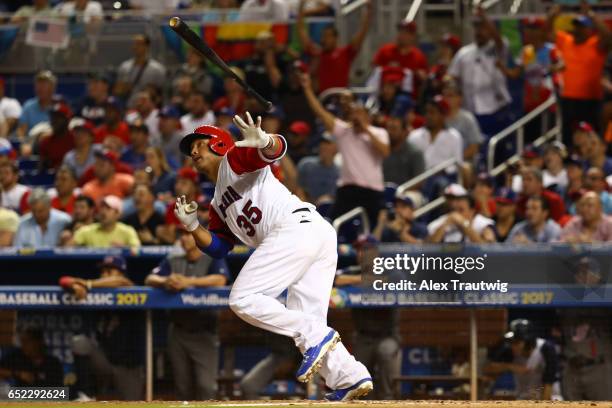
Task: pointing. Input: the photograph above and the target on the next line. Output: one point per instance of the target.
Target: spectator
(10, 108)
(483, 195)
(134, 154)
(533, 361)
(65, 192)
(298, 135)
(170, 133)
(402, 227)
(532, 186)
(597, 154)
(114, 127)
(463, 121)
(36, 110)
(9, 222)
(193, 68)
(575, 179)
(87, 10)
(145, 220)
(224, 118)
(186, 184)
(93, 106)
(591, 225)
(318, 175)
(193, 343)
(82, 214)
(404, 53)
(554, 176)
(108, 232)
(438, 143)
(115, 350)
(505, 213)
(462, 224)
(330, 54)
(264, 10)
(233, 98)
(39, 8)
(437, 76)
(292, 97)
(31, 365)
(595, 181)
(405, 161)
(363, 148)
(584, 54)
(391, 100)
(162, 176)
(537, 226)
(145, 113)
(12, 192)
(139, 71)
(199, 112)
(54, 148)
(182, 87)
(263, 70)
(82, 156)
(581, 142)
(107, 180)
(43, 226)
(483, 85)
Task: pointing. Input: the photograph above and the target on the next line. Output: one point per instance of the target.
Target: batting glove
(253, 134)
(187, 213)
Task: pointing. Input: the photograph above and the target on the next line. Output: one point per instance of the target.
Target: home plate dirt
(310, 404)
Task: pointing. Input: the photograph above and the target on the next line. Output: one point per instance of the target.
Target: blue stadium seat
(350, 230)
(38, 179)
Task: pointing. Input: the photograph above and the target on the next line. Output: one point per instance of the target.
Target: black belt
(304, 209)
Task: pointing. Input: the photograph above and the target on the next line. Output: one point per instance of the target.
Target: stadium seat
(349, 231)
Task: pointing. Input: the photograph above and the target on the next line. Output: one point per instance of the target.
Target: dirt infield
(311, 404)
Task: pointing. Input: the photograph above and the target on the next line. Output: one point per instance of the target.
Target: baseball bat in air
(187, 34)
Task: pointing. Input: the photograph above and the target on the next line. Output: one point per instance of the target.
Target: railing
(427, 174)
(348, 216)
(518, 129)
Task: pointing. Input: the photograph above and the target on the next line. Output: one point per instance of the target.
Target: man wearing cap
(134, 154)
(298, 135)
(462, 223)
(405, 54)
(505, 213)
(82, 156)
(391, 100)
(531, 179)
(332, 63)
(11, 192)
(537, 226)
(295, 249)
(199, 114)
(10, 108)
(52, 149)
(136, 73)
(108, 232)
(113, 125)
(483, 85)
(363, 148)
(169, 135)
(318, 175)
(107, 181)
(193, 343)
(584, 54)
(92, 107)
(405, 161)
(115, 351)
(402, 227)
(36, 109)
(43, 226)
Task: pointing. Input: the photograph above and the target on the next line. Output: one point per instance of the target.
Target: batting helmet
(219, 140)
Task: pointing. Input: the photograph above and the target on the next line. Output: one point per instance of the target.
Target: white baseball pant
(299, 256)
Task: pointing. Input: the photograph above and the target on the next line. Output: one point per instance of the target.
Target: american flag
(48, 32)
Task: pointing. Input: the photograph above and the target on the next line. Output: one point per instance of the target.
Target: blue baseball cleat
(361, 388)
(314, 355)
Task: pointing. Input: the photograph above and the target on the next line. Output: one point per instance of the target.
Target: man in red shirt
(331, 64)
(405, 54)
(532, 186)
(52, 149)
(113, 125)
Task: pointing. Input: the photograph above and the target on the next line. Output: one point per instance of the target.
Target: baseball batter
(295, 249)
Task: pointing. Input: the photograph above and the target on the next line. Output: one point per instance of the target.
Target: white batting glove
(187, 213)
(253, 134)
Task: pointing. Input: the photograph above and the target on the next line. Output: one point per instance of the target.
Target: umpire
(193, 344)
(376, 342)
